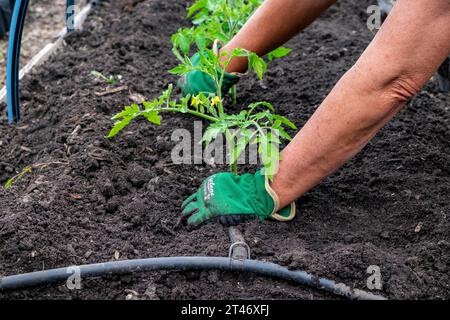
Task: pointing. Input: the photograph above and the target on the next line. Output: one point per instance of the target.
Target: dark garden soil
(45, 18)
(120, 199)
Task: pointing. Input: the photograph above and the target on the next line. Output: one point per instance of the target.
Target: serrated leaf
(177, 54)
(210, 135)
(285, 121)
(118, 126)
(258, 65)
(239, 52)
(278, 53)
(182, 40)
(147, 105)
(199, 19)
(153, 117)
(262, 104)
(197, 6)
(180, 70)
(284, 134)
(201, 42)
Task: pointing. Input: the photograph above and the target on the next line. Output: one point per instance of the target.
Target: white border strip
(50, 48)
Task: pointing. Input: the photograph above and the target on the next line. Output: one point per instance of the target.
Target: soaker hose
(12, 70)
(183, 264)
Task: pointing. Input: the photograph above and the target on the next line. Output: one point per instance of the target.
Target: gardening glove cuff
(285, 214)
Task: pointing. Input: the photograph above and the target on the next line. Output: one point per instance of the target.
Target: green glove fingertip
(188, 200)
(196, 82)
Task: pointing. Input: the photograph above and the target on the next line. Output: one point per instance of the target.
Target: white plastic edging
(50, 48)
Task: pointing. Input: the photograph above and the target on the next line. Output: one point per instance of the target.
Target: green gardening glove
(230, 199)
(196, 81)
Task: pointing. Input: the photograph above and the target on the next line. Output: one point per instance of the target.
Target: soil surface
(45, 19)
(119, 199)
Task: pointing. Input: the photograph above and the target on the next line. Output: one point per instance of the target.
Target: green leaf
(210, 135)
(168, 92)
(201, 42)
(153, 117)
(260, 115)
(284, 134)
(182, 39)
(200, 18)
(197, 6)
(177, 54)
(239, 52)
(285, 121)
(180, 70)
(127, 111)
(118, 126)
(278, 53)
(16, 178)
(255, 105)
(123, 119)
(270, 155)
(258, 65)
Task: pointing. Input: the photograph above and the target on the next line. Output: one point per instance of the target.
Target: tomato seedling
(251, 126)
(257, 124)
(216, 21)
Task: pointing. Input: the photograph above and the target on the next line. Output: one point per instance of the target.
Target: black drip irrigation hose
(238, 260)
(12, 73)
(184, 264)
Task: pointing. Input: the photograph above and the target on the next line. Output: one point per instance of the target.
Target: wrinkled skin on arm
(407, 50)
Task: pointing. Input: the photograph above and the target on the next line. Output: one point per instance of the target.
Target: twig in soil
(98, 154)
(26, 149)
(29, 169)
(168, 171)
(111, 91)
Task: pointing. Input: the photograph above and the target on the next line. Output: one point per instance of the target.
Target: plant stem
(230, 139)
(234, 168)
(195, 113)
(233, 94)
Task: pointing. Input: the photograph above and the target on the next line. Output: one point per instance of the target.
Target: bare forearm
(411, 45)
(273, 24)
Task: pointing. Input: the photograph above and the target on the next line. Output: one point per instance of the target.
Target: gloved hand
(230, 199)
(196, 81)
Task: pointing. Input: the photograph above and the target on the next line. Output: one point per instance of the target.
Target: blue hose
(12, 69)
(184, 264)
